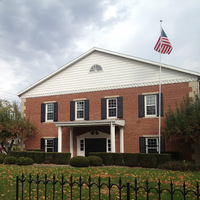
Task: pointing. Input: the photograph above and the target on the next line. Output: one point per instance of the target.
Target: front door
(95, 145)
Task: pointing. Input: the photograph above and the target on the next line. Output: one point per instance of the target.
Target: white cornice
(108, 88)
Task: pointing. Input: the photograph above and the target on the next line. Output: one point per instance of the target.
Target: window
(112, 108)
(49, 112)
(151, 145)
(49, 144)
(96, 68)
(150, 105)
(81, 145)
(109, 145)
(80, 109)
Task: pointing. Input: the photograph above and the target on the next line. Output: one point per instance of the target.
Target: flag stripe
(163, 45)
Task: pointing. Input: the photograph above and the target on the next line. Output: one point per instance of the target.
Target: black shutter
(142, 144)
(157, 96)
(162, 145)
(141, 105)
(42, 112)
(72, 111)
(55, 119)
(86, 109)
(55, 141)
(42, 144)
(120, 107)
(103, 108)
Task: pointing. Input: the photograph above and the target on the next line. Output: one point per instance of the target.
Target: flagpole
(159, 124)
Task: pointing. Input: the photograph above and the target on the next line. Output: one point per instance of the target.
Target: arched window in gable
(96, 68)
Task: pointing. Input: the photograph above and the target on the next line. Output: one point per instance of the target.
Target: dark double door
(95, 145)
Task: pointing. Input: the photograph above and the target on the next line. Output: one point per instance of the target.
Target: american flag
(163, 45)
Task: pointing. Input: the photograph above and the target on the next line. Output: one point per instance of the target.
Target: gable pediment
(117, 71)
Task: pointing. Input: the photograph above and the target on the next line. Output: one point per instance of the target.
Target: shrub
(79, 161)
(179, 166)
(39, 157)
(95, 161)
(148, 160)
(49, 157)
(10, 160)
(108, 158)
(131, 159)
(1, 159)
(30, 154)
(24, 161)
(163, 158)
(118, 159)
(18, 154)
(62, 158)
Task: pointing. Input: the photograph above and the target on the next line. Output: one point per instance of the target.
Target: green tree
(183, 122)
(13, 125)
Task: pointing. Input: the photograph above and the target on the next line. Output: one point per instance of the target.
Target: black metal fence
(50, 188)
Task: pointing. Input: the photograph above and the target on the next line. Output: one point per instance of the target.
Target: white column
(112, 137)
(71, 142)
(121, 131)
(60, 139)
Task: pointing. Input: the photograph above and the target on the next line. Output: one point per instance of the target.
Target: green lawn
(8, 175)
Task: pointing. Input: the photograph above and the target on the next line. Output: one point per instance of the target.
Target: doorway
(95, 145)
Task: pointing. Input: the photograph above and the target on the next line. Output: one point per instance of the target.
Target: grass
(8, 175)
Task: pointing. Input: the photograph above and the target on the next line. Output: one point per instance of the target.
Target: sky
(38, 37)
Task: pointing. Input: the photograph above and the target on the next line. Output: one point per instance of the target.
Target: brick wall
(134, 126)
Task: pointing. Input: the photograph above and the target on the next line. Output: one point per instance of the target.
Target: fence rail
(52, 188)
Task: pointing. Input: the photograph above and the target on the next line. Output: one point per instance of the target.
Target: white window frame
(76, 110)
(46, 145)
(82, 145)
(46, 112)
(148, 115)
(146, 144)
(107, 106)
(108, 145)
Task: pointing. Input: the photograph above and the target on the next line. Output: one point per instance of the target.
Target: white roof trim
(91, 123)
(107, 52)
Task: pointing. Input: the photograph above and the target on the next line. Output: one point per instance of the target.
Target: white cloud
(37, 37)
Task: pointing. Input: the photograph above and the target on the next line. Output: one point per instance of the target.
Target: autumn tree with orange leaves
(13, 125)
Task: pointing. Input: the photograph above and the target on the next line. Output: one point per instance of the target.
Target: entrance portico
(92, 124)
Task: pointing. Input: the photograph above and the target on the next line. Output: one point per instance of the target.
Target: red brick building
(106, 101)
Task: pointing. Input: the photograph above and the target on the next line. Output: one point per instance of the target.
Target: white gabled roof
(111, 53)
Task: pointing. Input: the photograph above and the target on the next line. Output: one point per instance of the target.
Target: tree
(13, 125)
(184, 122)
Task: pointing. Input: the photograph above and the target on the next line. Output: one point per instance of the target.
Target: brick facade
(135, 127)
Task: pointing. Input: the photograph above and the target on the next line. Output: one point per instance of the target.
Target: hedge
(44, 157)
(39, 157)
(133, 159)
(24, 161)
(79, 161)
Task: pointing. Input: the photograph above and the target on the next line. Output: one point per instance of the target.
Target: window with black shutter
(112, 108)
(79, 110)
(49, 144)
(49, 112)
(151, 144)
(148, 105)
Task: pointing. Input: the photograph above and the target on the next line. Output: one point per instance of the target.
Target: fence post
(17, 187)
(128, 191)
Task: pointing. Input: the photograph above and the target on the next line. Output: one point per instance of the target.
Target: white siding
(118, 72)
